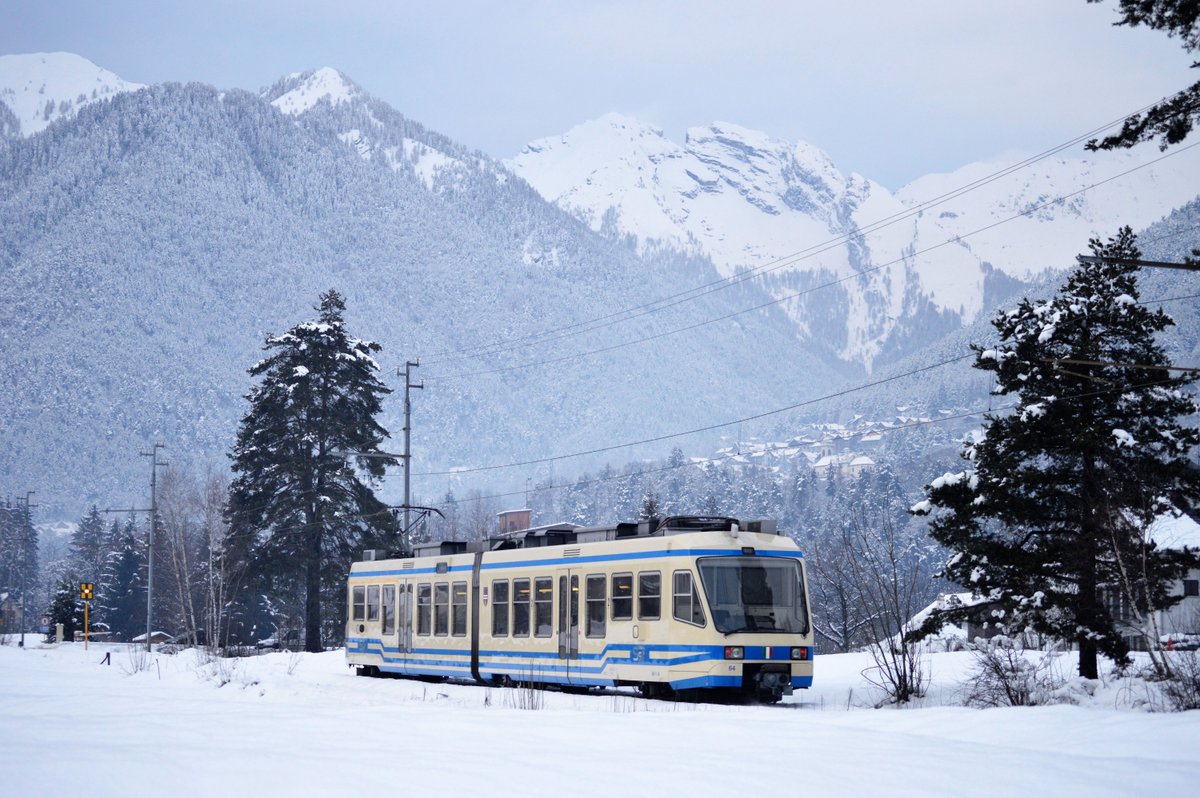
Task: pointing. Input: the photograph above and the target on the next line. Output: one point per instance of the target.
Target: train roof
(568, 534)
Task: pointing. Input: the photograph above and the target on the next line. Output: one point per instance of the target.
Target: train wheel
(656, 690)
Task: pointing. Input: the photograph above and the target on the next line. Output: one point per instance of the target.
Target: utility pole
(407, 456)
(25, 570)
(154, 464)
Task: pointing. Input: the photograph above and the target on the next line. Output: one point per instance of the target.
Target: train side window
(458, 609)
(622, 597)
(423, 608)
(686, 604)
(441, 609)
(359, 602)
(389, 609)
(521, 597)
(596, 601)
(500, 608)
(373, 603)
(649, 596)
(543, 606)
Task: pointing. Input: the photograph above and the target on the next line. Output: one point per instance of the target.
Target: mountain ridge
(749, 201)
(151, 242)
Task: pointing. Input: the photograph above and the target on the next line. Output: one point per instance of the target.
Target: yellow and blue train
(681, 606)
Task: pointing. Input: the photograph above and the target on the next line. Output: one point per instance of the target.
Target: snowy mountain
(38, 88)
(150, 242)
(748, 201)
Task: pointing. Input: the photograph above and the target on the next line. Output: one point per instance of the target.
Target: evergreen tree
(18, 550)
(1055, 503)
(294, 487)
(66, 607)
(122, 602)
(1172, 119)
(650, 507)
(89, 550)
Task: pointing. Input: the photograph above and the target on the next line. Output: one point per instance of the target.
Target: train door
(404, 620)
(387, 620)
(568, 621)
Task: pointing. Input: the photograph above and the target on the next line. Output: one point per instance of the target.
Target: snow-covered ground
(303, 724)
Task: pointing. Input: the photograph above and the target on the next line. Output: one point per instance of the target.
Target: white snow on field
(304, 725)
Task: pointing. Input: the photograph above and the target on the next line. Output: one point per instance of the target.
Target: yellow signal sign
(85, 591)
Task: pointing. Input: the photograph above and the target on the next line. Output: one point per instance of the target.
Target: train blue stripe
(433, 662)
(566, 562)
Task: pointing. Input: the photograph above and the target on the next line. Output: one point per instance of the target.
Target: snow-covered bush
(1005, 677)
(1182, 688)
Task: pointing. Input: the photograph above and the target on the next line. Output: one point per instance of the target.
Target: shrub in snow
(1182, 689)
(1004, 676)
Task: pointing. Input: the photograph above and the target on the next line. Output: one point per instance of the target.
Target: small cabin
(513, 520)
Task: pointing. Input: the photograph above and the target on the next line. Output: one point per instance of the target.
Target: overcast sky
(892, 90)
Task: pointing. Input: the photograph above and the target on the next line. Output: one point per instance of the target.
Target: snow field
(303, 724)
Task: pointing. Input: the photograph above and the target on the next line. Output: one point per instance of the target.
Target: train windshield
(755, 594)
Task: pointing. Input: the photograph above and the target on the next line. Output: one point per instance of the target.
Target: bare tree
(839, 615)
(178, 503)
(890, 576)
(479, 521)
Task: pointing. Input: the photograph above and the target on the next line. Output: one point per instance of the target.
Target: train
(686, 606)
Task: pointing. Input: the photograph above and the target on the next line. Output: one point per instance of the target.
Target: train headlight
(800, 653)
(734, 652)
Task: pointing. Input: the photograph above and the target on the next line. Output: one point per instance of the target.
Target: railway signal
(86, 592)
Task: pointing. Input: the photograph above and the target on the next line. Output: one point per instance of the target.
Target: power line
(769, 266)
(707, 428)
(1027, 212)
(749, 418)
(896, 428)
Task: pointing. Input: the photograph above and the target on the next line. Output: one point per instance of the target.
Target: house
(10, 613)
(1178, 626)
(846, 465)
(951, 637)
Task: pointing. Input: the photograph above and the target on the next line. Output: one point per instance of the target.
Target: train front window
(755, 594)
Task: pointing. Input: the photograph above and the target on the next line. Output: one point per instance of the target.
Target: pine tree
(122, 602)
(1172, 119)
(1054, 506)
(88, 548)
(18, 550)
(66, 607)
(294, 486)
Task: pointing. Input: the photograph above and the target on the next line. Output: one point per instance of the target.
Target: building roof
(1171, 532)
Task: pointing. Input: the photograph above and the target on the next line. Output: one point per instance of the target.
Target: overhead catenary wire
(697, 430)
(796, 295)
(837, 394)
(920, 422)
(580, 327)
(668, 467)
